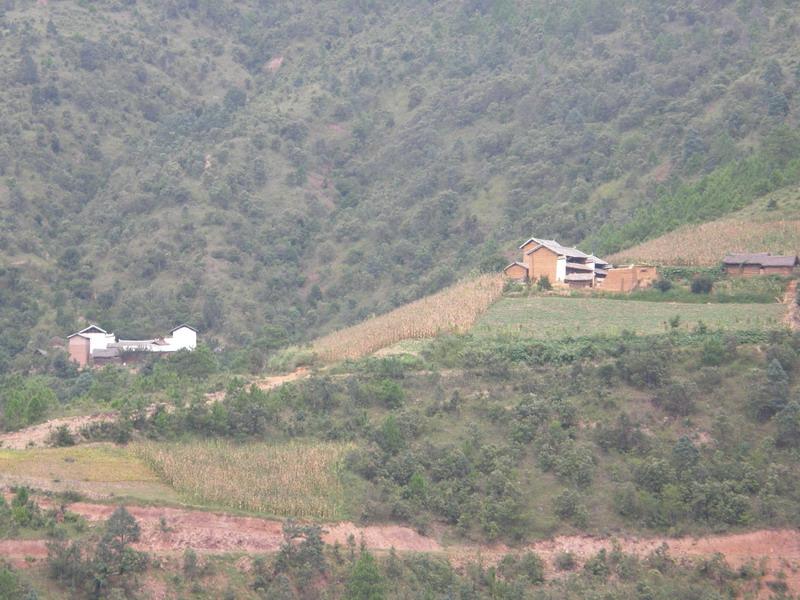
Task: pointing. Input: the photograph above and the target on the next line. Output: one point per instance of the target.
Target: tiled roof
(557, 248)
(580, 267)
(517, 263)
(780, 261)
(579, 277)
(90, 329)
(763, 259)
(597, 260)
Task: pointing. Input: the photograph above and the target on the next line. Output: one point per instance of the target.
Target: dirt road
(169, 531)
(792, 317)
(37, 435)
(276, 381)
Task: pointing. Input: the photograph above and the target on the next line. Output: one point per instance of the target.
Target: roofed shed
(760, 263)
(516, 271)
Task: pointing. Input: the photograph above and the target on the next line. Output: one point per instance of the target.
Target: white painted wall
(561, 269)
(99, 341)
(183, 338)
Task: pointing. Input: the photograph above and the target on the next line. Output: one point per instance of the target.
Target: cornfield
(294, 479)
(453, 310)
(707, 244)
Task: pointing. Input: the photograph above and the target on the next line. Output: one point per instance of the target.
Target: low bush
(702, 285)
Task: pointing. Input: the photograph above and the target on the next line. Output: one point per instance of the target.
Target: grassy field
(296, 479)
(95, 470)
(552, 317)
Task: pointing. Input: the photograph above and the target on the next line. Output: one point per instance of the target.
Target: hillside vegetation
(552, 416)
(771, 224)
(271, 171)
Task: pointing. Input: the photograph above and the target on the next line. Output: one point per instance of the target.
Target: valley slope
(272, 171)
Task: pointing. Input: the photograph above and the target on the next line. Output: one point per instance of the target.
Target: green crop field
(549, 317)
(98, 470)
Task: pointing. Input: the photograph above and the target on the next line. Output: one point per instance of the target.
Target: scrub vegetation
(310, 182)
(271, 173)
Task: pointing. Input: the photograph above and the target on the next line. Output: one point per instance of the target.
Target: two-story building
(559, 264)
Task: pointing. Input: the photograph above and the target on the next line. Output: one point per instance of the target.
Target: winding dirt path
(38, 435)
(169, 531)
(792, 318)
(166, 531)
(276, 381)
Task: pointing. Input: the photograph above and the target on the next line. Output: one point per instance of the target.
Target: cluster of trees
(109, 569)
(432, 450)
(328, 161)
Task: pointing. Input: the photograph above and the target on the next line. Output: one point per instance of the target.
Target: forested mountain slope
(269, 170)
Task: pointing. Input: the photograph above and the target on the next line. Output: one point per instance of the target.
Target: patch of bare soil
(265, 383)
(169, 531)
(381, 537)
(22, 553)
(274, 64)
(37, 435)
(270, 383)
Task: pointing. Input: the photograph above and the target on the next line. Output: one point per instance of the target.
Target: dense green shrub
(663, 285)
(771, 394)
(24, 401)
(677, 398)
(366, 581)
(114, 565)
(702, 285)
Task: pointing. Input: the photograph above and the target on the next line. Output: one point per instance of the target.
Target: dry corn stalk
(453, 310)
(294, 479)
(707, 244)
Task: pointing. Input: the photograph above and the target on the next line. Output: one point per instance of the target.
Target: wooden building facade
(762, 263)
(561, 265)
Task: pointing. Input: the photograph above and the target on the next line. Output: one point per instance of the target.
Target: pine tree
(684, 455)
(365, 581)
(27, 72)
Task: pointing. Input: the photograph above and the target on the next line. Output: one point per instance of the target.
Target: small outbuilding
(628, 279)
(760, 263)
(517, 271)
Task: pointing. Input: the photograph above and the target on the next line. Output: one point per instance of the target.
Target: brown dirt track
(219, 533)
(37, 435)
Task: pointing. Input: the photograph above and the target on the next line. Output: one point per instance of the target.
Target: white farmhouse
(183, 337)
(96, 346)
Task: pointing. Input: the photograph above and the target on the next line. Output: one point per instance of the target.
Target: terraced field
(95, 470)
(554, 317)
(771, 224)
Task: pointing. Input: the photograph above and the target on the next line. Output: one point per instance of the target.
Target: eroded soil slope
(169, 531)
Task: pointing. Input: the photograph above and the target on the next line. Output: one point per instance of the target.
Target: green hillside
(269, 171)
